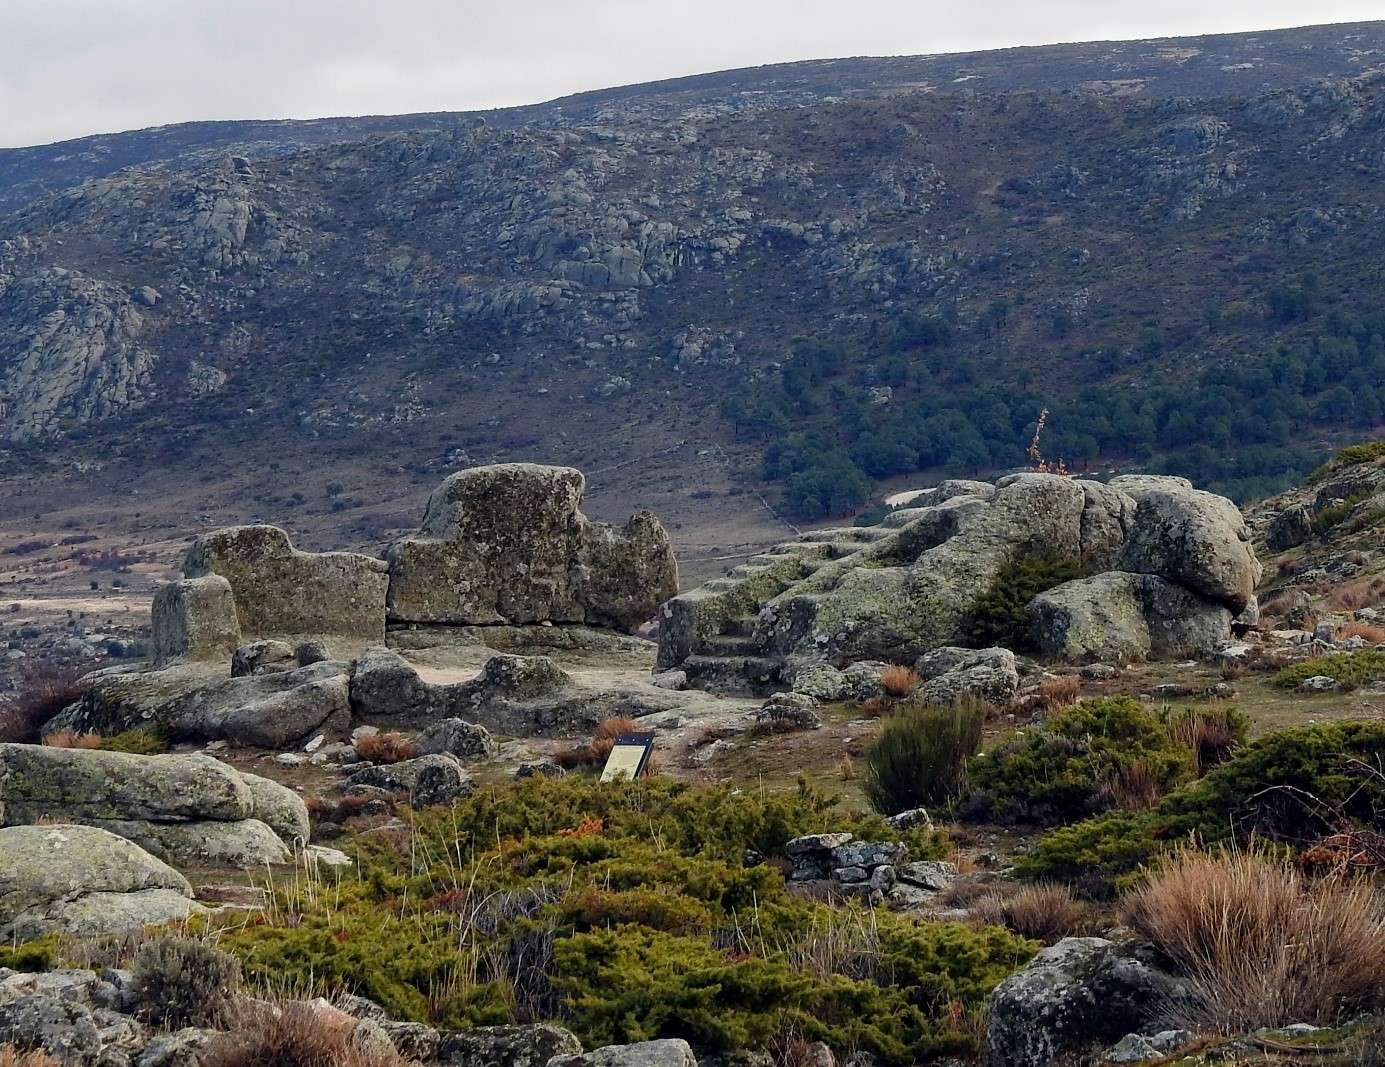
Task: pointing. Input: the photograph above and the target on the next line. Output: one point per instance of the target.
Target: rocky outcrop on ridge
(1180, 559)
(507, 544)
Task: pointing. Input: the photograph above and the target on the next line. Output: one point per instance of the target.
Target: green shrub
(998, 618)
(1347, 457)
(181, 981)
(1349, 669)
(141, 741)
(41, 954)
(1329, 518)
(1290, 788)
(627, 911)
(920, 757)
(1065, 768)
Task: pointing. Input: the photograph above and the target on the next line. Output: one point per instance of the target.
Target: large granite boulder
(507, 544)
(1079, 992)
(271, 710)
(1119, 617)
(282, 591)
(85, 880)
(668, 1052)
(193, 809)
(953, 675)
(195, 618)
(39, 781)
(1196, 539)
(514, 1046)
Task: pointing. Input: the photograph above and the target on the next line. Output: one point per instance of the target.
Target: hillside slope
(1186, 282)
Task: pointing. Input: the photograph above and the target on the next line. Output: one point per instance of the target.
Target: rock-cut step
(732, 674)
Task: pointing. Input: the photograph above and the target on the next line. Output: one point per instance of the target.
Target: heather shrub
(1288, 790)
(998, 618)
(185, 982)
(920, 757)
(1075, 764)
(1350, 670)
(44, 692)
(628, 911)
(388, 746)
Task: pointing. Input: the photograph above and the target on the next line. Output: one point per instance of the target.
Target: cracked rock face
(70, 351)
(507, 544)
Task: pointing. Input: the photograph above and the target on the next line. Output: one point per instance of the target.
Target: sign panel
(628, 757)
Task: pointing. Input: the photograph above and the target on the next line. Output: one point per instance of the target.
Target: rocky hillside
(618, 281)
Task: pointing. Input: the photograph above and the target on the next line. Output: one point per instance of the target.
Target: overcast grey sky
(73, 67)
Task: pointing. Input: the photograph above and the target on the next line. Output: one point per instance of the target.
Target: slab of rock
(468, 741)
(244, 843)
(507, 544)
(670, 1052)
(195, 618)
(273, 710)
(278, 807)
(988, 675)
(280, 590)
(513, 1046)
(38, 781)
(1081, 991)
(83, 879)
(263, 657)
(1196, 539)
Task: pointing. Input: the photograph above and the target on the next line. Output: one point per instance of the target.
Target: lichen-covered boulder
(1194, 538)
(468, 741)
(951, 675)
(262, 657)
(38, 781)
(507, 544)
(667, 1052)
(1081, 991)
(282, 591)
(278, 807)
(272, 710)
(195, 618)
(85, 880)
(514, 1046)
(247, 844)
(1119, 617)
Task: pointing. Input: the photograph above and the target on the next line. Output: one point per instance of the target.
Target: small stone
(816, 843)
(1319, 683)
(850, 874)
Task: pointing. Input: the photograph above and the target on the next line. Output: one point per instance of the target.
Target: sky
(75, 67)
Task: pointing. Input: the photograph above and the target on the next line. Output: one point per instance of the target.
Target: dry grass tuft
(899, 681)
(1210, 734)
(12, 1057)
(389, 746)
(1045, 912)
(294, 1035)
(605, 737)
(1134, 787)
(1060, 692)
(1364, 630)
(72, 739)
(1261, 943)
(1357, 595)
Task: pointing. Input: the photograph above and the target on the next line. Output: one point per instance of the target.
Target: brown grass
(874, 707)
(604, 739)
(387, 747)
(45, 691)
(1364, 630)
(899, 681)
(1060, 692)
(12, 1057)
(1261, 943)
(293, 1035)
(1135, 787)
(1208, 735)
(1045, 912)
(72, 739)
(1357, 595)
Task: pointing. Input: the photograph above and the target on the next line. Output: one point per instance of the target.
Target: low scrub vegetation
(13, 1057)
(1350, 670)
(1366, 452)
(920, 757)
(1290, 790)
(185, 982)
(294, 1035)
(1086, 758)
(626, 911)
(1263, 945)
(45, 691)
(388, 746)
(1043, 912)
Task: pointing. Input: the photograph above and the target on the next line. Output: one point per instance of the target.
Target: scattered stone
(469, 742)
(262, 657)
(787, 713)
(1319, 683)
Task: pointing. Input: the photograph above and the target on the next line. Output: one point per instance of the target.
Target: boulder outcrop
(279, 590)
(507, 544)
(187, 808)
(83, 879)
(1172, 566)
(195, 618)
